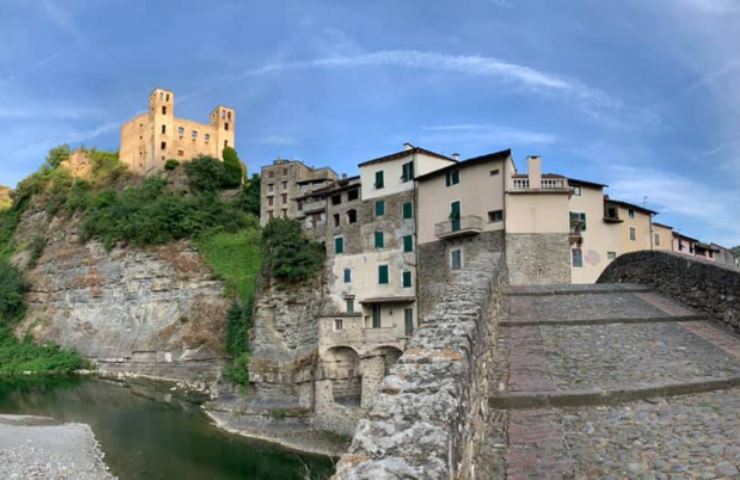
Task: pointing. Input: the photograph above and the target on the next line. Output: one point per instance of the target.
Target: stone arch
(390, 354)
(341, 365)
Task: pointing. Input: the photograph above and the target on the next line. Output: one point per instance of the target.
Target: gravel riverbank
(42, 448)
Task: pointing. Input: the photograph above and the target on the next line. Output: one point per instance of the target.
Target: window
(376, 316)
(337, 324)
(285, 185)
(408, 243)
(336, 199)
(657, 240)
(456, 259)
(270, 187)
(408, 210)
(168, 97)
(379, 240)
(339, 245)
(350, 302)
(180, 131)
(164, 128)
(452, 178)
(633, 234)
(270, 201)
(226, 126)
(496, 216)
(631, 213)
(406, 278)
(577, 222)
(164, 110)
(611, 255)
(271, 173)
(407, 171)
(194, 134)
(207, 137)
(577, 257)
(379, 179)
(163, 146)
(611, 212)
(284, 197)
(336, 219)
(228, 115)
(408, 321)
(181, 153)
(494, 172)
(383, 277)
(353, 194)
(352, 216)
(379, 208)
(576, 190)
(226, 143)
(347, 275)
(300, 205)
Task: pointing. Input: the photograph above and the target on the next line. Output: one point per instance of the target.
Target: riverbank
(41, 447)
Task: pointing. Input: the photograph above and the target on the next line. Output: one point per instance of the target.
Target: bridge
(634, 377)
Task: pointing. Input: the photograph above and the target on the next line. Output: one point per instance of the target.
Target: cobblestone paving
(680, 437)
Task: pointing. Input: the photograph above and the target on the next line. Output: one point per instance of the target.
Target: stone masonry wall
(538, 258)
(429, 416)
(708, 287)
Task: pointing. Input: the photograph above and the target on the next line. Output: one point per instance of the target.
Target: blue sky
(643, 96)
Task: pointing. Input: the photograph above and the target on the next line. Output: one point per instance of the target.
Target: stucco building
(151, 138)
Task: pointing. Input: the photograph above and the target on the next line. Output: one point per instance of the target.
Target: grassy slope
(235, 258)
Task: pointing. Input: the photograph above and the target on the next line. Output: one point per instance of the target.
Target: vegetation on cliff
(287, 256)
(5, 200)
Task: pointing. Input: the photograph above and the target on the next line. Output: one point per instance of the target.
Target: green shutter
(379, 208)
(338, 245)
(408, 243)
(347, 275)
(383, 274)
(406, 279)
(379, 179)
(379, 243)
(408, 210)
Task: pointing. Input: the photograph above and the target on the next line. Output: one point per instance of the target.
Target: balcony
(463, 226)
(548, 184)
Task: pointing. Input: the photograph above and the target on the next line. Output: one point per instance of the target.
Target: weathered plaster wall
(428, 418)
(708, 287)
(538, 258)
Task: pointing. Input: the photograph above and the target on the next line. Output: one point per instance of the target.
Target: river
(146, 433)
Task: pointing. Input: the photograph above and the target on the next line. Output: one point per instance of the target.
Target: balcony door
(455, 215)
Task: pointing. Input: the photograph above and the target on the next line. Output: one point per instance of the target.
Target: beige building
(151, 138)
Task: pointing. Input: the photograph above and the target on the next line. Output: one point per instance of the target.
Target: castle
(150, 139)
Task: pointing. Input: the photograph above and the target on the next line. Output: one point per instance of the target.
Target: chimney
(456, 157)
(408, 146)
(535, 171)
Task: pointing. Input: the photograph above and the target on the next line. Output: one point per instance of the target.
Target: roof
(502, 155)
(662, 225)
(622, 203)
(585, 183)
(543, 175)
(676, 234)
(404, 153)
(706, 246)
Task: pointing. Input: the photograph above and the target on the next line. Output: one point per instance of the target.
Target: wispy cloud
(483, 135)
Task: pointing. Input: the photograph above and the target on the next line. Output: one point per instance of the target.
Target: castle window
(164, 146)
(168, 97)
(228, 115)
(194, 134)
(336, 219)
(164, 128)
(181, 153)
(353, 195)
(226, 143)
(226, 126)
(164, 110)
(207, 137)
(181, 131)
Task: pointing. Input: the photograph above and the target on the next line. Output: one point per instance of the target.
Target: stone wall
(703, 285)
(428, 418)
(538, 258)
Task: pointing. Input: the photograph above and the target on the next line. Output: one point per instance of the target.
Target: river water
(147, 434)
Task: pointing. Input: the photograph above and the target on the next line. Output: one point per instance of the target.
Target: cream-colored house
(151, 138)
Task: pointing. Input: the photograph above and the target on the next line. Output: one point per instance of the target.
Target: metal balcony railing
(456, 227)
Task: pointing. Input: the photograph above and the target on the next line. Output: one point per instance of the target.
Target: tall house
(285, 188)
(151, 138)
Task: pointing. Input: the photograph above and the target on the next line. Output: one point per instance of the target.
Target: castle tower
(162, 114)
(223, 120)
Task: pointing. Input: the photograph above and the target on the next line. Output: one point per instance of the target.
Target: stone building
(285, 185)
(151, 138)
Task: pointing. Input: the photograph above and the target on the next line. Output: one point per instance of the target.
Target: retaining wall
(705, 286)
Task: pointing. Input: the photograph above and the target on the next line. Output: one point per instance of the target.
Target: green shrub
(37, 247)
(206, 174)
(286, 255)
(11, 294)
(26, 357)
(249, 197)
(57, 155)
(171, 164)
(238, 372)
(233, 168)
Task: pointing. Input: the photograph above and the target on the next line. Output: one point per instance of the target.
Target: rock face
(155, 312)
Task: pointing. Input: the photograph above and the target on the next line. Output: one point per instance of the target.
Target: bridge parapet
(705, 286)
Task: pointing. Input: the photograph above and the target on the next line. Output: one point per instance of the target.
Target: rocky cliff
(155, 311)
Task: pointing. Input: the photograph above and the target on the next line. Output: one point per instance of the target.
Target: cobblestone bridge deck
(612, 381)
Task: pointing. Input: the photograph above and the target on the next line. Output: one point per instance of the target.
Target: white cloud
(483, 136)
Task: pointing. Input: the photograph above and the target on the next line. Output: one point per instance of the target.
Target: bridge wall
(428, 419)
(707, 287)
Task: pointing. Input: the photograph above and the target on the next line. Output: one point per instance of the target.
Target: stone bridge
(615, 380)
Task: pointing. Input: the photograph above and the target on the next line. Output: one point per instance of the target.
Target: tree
(249, 198)
(11, 294)
(233, 167)
(206, 174)
(57, 155)
(286, 254)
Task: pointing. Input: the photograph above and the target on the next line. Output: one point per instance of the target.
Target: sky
(642, 96)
